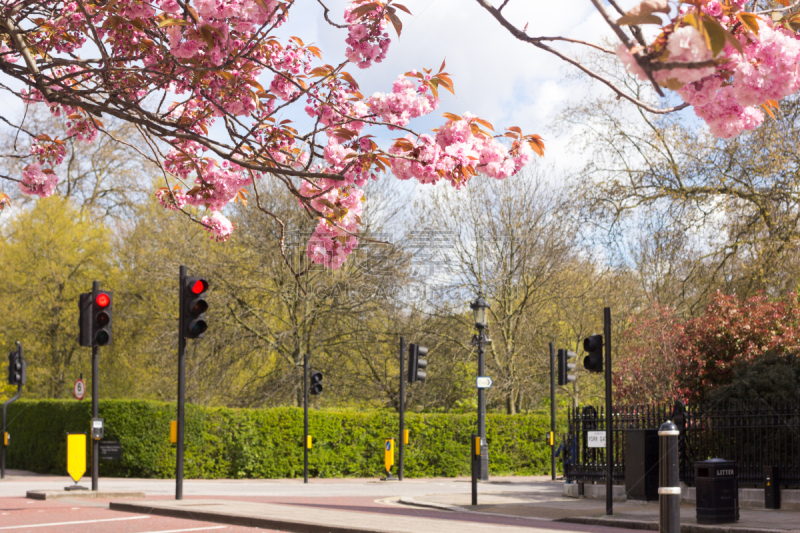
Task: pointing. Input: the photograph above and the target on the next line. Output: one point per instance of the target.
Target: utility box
(641, 464)
(772, 487)
(717, 491)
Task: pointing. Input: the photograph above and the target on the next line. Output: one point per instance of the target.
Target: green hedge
(267, 443)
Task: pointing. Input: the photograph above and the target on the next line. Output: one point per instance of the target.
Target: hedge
(267, 443)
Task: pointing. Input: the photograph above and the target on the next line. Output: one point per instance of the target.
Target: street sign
(110, 450)
(79, 390)
(596, 439)
(483, 382)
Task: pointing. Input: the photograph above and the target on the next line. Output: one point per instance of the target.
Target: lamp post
(479, 307)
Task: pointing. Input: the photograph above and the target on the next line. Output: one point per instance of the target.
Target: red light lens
(103, 300)
(199, 286)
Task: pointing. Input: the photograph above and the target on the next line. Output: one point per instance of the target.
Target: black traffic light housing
(564, 367)
(95, 318)
(17, 367)
(593, 346)
(315, 382)
(417, 363)
(194, 307)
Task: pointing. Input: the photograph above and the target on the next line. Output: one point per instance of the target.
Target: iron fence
(755, 434)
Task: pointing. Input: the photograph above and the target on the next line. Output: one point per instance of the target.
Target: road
(19, 514)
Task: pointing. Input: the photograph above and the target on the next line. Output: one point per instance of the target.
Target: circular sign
(79, 390)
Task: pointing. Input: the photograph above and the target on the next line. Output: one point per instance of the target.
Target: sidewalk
(345, 519)
(552, 505)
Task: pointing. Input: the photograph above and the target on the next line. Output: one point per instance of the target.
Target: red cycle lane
(22, 515)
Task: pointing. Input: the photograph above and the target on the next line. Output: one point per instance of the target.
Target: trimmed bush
(267, 443)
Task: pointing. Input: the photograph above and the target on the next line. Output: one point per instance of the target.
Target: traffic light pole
(553, 409)
(305, 418)
(2, 437)
(95, 406)
(181, 391)
(401, 440)
(609, 415)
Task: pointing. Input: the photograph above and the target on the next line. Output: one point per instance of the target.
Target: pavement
(506, 505)
(549, 503)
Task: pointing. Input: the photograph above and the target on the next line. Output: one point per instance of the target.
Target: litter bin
(641, 464)
(772, 488)
(717, 491)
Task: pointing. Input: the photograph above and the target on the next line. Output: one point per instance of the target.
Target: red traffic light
(102, 300)
(199, 286)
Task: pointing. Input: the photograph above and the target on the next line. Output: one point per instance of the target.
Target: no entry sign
(79, 390)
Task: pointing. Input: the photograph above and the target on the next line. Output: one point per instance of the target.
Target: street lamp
(479, 307)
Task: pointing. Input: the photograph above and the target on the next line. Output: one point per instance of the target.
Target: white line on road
(182, 530)
(73, 523)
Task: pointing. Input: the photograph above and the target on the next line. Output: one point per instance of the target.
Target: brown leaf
(643, 13)
(395, 20)
(404, 8)
(749, 21)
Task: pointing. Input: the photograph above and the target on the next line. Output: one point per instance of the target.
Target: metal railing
(755, 434)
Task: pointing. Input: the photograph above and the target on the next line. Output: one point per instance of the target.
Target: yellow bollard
(388, 457)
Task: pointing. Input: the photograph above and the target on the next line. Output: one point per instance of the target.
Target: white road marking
(182, 530)
(73, 523)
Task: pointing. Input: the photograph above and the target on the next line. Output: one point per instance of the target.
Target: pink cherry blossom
(38, 181)
(220, 227)
(685, 45)
(726, 117)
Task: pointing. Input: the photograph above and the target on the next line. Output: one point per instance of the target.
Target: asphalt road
(21, 515)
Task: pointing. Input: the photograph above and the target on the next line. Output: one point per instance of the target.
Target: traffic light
(315, 382)
(95, 318)
(17, 368)
(195, 306)
(593, 346)
(416, 363)
(564, 366)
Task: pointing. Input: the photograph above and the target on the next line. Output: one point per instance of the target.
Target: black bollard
(475, 460)
(669, 490)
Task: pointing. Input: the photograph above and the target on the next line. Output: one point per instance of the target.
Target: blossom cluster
(756, 67)
(459, 150)
(37, 180)
(406, 101)
(334, 237)
(367, 38)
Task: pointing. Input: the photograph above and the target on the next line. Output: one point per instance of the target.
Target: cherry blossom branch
(329, 21)
(532, 40)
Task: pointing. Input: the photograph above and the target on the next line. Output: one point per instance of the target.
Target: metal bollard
(669, 490)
